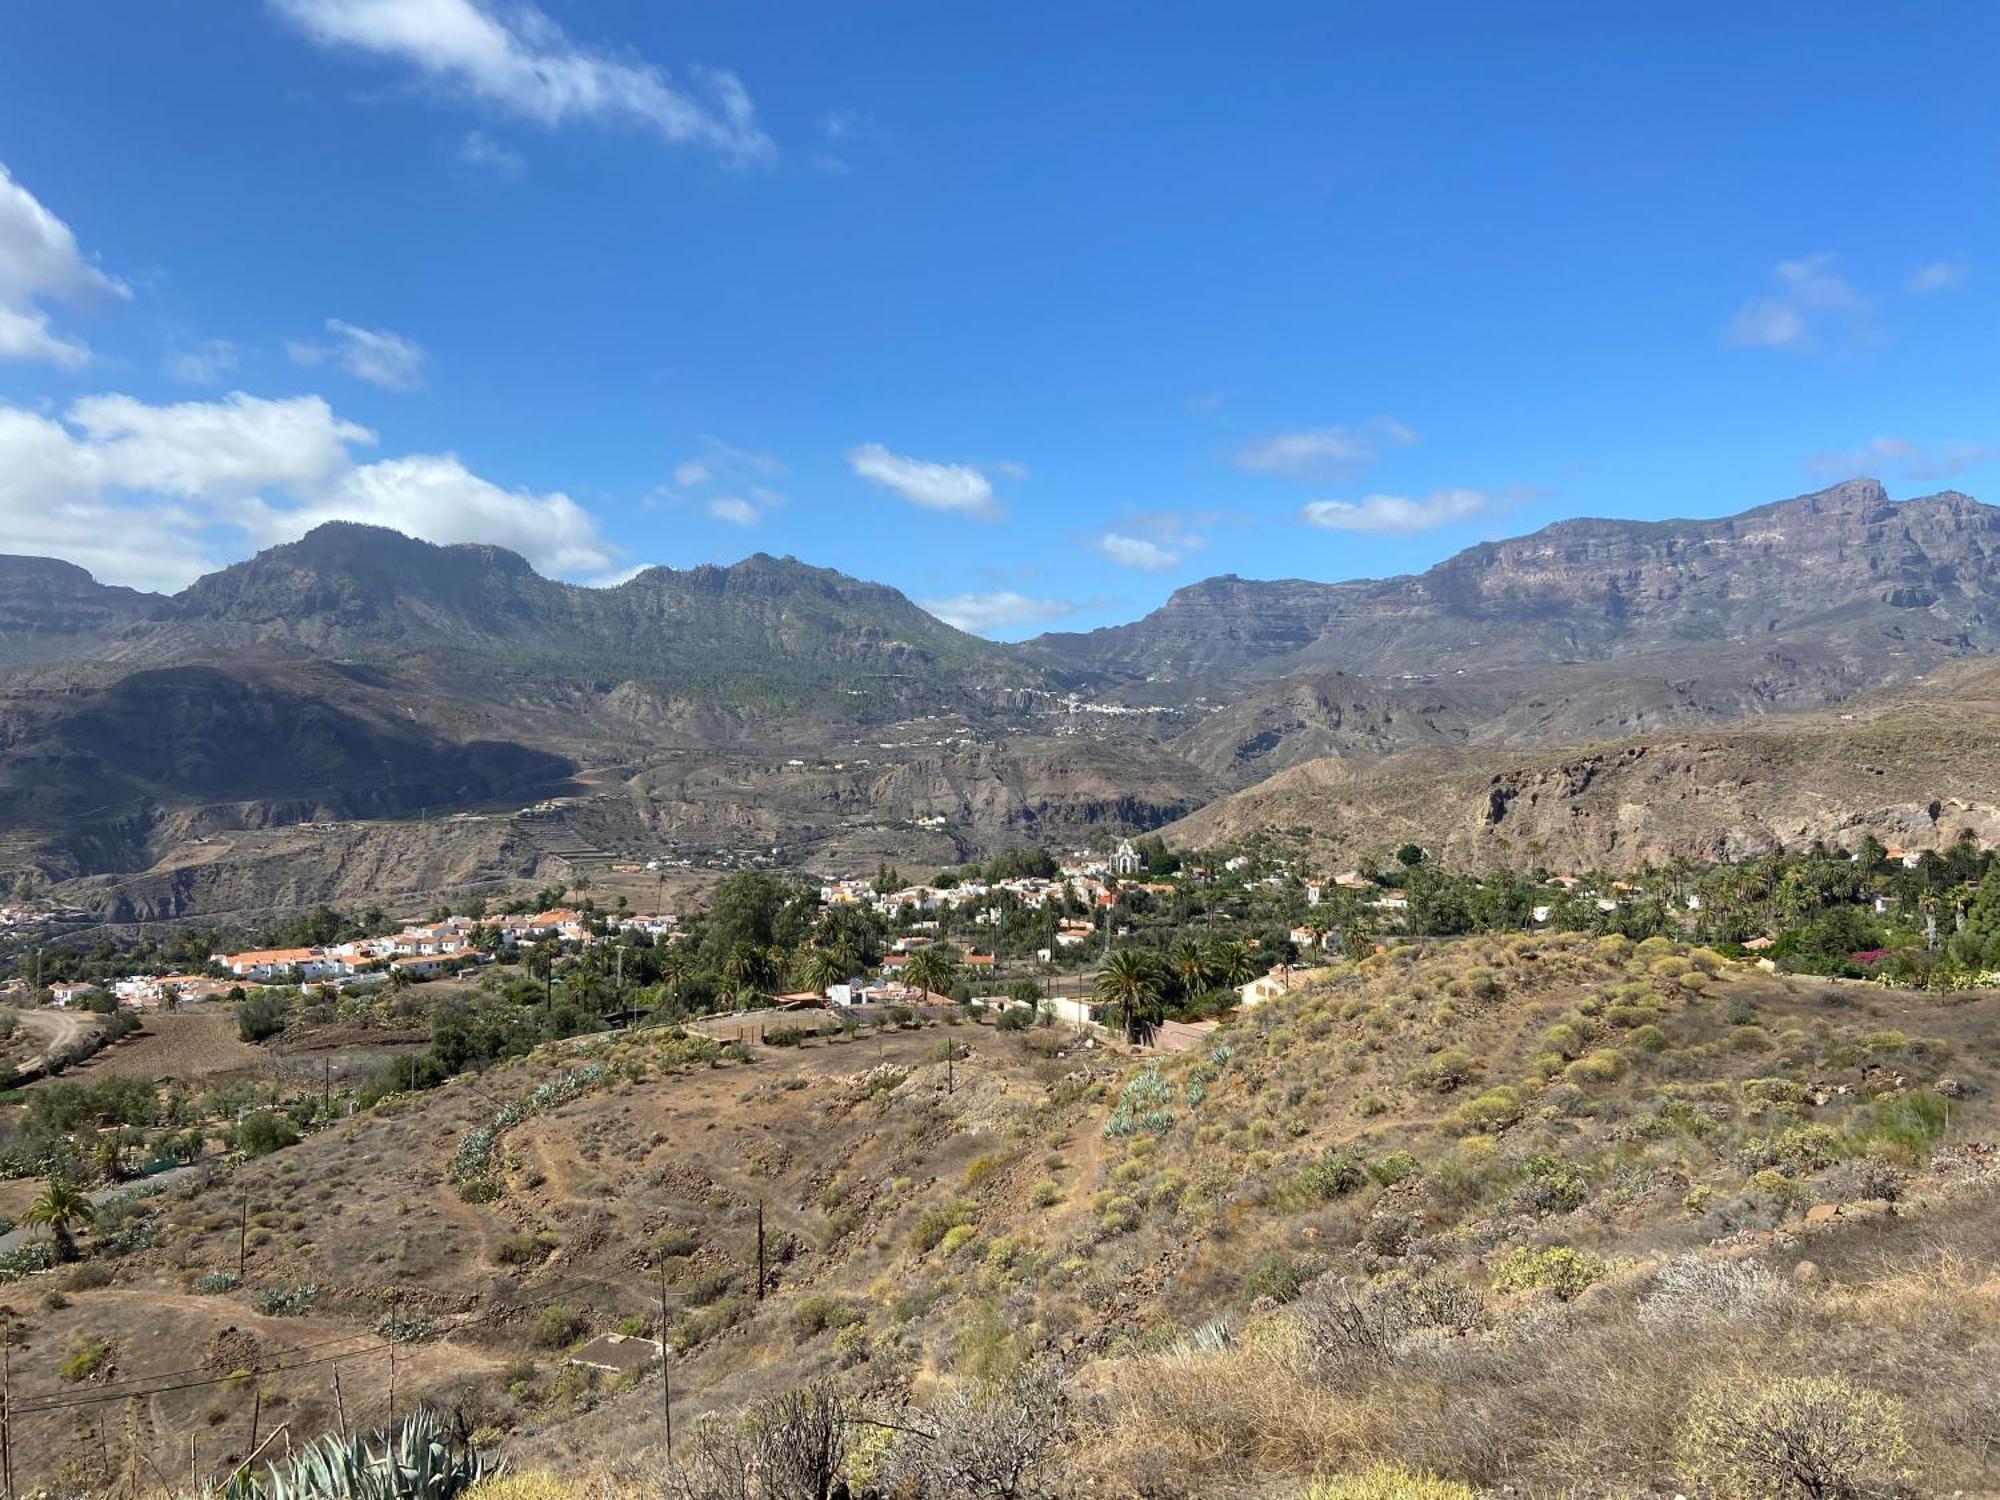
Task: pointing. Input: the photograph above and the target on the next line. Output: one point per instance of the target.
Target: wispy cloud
(40, 262)
(1895, 455)
(375, 355)
(1135, 552)
(841, 133)
(958, 488)
(1153, 540)
(983, 614)
(1943, 275)
(1323, 452)
(478, 149)
(742, 469)
(1399, 515)
(1810, 300)
(518, 60)
(209, 362)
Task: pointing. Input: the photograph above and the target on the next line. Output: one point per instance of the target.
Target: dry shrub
(1817, 1438)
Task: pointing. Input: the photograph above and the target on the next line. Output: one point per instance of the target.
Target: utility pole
(243, 1239)
(760, 1249)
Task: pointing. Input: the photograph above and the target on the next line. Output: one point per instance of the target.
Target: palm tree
(675, 962)
(1189, 961)
(61, 1209)
(747, 971)
(932, 971)
(1130, 982)
(819, 970)
(1232, 963)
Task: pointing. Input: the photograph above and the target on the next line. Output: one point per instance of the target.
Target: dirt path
(56, 1029)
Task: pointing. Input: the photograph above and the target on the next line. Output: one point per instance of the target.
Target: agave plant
(417, 1461)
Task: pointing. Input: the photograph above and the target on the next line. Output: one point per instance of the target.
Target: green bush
(933, 1224)
(674, 1242)
(1558, 1268)
(1450, 1069)
(1392, 1168)
(266, 1131)
(557, 1326)
(1605, 1065)
(814, 1315)
(1332, 1175)
(1495, 1109)
(1279, 1276)
(1550, 1185)
(519, 1249)
(85, 1358)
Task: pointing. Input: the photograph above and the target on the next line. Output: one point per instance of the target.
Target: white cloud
(1884, 455)
(982, 614)
(39, 262)
(959, 488)
(1135, 552)
(1397, 514)
(1939, 275)
(1322, 451)
(371, 354)
(479, 149)
(434, 496)
(519, 60)
(693, 472)
(145, 495)
(206, 363)
(1810, 297)
(734, 509)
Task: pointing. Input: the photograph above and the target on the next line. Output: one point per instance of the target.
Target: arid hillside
(1912, 766)
(1432, 1209)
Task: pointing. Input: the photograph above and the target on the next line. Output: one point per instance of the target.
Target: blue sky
(1035, 312)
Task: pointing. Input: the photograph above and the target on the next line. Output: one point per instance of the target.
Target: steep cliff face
(1898, 585)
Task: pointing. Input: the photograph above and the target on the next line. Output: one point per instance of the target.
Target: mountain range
(357, 674)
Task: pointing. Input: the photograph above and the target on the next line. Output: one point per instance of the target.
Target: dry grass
(1539, 1399)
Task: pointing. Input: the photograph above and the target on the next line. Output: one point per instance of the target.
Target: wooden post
(760, 1249)
(256, 1414)
(7, 1410)
(666, 1385)
(339, 1403)
(392, 1389)
(242, 1235)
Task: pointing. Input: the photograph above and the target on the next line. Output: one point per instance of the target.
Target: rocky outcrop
(1911, 582)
